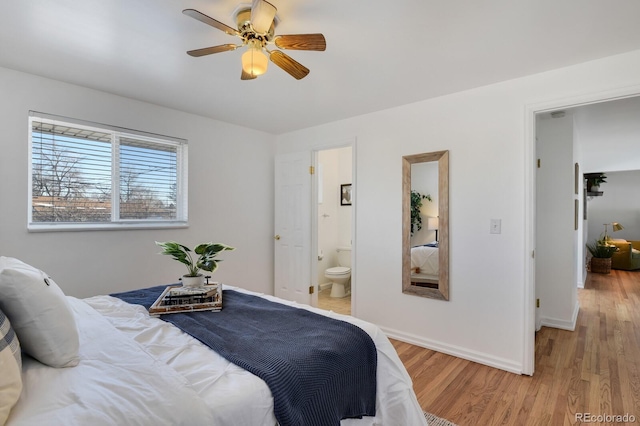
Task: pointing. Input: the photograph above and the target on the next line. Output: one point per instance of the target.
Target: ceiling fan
(256, 29)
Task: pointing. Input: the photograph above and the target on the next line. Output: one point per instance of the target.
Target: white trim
(354, 226)
(314, 229)
(529, 292)
(529, 322)
(563, 324)
(107, 226)
(457, 351)
(115, 179)
(324, 286)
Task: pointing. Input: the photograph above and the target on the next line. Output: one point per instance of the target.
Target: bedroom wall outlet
(495, 226)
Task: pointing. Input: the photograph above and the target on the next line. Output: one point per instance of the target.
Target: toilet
(340, 275)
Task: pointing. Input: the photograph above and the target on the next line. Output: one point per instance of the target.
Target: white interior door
(293, 227)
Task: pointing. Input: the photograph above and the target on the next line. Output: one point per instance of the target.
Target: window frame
(115, 133)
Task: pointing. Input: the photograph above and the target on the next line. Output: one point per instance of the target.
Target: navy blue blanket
(320, 370)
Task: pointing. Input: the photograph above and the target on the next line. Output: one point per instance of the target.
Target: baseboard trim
(325, 286)
(563, 324)
(457, 351)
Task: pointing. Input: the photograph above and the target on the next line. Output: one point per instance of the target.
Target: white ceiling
(380, 54)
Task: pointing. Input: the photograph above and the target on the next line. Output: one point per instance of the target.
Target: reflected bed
(424, 266)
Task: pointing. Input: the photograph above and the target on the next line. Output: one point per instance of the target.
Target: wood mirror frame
(442, 292)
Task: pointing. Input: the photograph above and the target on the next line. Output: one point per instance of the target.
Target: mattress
(425, 260)
(139, 370)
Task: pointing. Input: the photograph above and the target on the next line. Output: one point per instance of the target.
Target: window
(91, 176)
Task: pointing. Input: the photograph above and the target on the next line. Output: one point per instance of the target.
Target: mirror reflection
(425, 225)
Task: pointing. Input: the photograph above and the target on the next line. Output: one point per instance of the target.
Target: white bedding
(136, 369)
(426, 259)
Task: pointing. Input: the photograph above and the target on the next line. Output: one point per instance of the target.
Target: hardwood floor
(594, 369)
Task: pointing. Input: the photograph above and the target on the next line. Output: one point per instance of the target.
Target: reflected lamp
(432, 225)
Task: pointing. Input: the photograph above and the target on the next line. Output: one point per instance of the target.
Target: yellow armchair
(628, 255)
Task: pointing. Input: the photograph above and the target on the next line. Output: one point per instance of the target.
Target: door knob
(277, 237)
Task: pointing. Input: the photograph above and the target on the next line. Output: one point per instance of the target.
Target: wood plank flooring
(594, 369)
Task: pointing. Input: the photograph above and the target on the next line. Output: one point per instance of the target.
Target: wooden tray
(176, 298)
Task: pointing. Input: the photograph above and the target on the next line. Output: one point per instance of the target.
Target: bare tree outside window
(76, 172)
(61, 192)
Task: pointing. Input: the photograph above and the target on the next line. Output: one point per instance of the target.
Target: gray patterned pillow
(11, 367)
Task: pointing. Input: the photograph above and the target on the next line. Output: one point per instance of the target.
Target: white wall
(608, 134)
(345, 175)
(620, 203)
(556, 237)
(230, 194)
(484, 130)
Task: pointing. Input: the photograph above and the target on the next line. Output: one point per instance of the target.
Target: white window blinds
(87, 175)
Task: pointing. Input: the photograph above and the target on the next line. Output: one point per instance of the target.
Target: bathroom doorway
(334, 227)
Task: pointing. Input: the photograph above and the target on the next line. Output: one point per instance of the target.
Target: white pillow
(39, 314)
(11, 368)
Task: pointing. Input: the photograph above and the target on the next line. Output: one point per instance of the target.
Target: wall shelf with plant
(593, 181)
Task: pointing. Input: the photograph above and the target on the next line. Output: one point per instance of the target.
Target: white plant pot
(197, 281)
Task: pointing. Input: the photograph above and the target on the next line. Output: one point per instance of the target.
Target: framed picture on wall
(345, 194)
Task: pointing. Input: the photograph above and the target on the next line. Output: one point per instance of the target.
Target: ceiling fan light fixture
(256, 29)
(262, 15)
(254, 62)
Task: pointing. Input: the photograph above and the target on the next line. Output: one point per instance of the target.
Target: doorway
(332, 229)
(562, 235)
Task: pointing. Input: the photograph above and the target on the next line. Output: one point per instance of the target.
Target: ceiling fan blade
(210, 21)
(210, 50)
(301, 42)
(246, 76)
(284, 61)
(262, 15)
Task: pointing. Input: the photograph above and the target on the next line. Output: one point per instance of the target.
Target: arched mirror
(425, 225)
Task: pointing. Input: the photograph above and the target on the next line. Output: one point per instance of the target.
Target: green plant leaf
(206, 251)
(416, 204)
(601, 251)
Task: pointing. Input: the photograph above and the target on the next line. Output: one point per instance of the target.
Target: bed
(135, 369)
(424, 264)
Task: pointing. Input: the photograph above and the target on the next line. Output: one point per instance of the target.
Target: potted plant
(206, 260)
(601, 260)
(416, 204)
(594, 180)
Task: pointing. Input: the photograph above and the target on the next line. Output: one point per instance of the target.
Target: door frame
(341, 143)
(531, 110)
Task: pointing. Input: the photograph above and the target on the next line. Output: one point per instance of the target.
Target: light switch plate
(495, 226)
